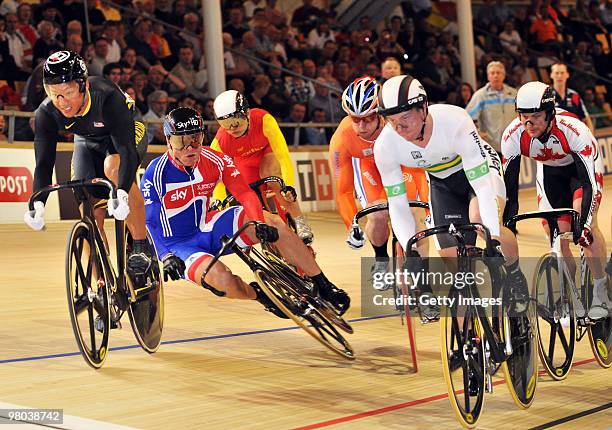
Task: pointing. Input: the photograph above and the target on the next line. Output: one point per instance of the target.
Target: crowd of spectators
(154, 51)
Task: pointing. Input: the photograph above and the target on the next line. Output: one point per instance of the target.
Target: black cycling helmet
(184, 121)
(64, 66)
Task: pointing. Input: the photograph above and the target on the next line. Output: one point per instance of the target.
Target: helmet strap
(85, 95)
(426, 111)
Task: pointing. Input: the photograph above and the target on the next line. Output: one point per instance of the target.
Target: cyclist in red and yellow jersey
(254, 140)
(351, 154)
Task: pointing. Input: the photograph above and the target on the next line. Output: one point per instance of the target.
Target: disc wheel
(297, 307)
(87, 294)
(556, 319)
(600, 331)
(463, 363)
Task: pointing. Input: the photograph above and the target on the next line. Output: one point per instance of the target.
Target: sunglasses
(230, 122)
(367, 119)
(184, 142)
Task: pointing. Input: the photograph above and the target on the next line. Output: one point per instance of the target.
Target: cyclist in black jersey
(108, 142)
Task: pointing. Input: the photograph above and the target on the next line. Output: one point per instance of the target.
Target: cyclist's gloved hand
(586, 237)
(495, 253)
(35, 219)
(119, 208)
(355, 239)
(289, 194)
(214, 205)
(174, 267)
(266, 233)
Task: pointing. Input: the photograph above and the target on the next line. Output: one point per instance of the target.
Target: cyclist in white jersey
(465, 178)
(569, 174)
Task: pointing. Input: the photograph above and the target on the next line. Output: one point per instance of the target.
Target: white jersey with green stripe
(454, 145)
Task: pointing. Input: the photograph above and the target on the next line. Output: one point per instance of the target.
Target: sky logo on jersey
(178, 198)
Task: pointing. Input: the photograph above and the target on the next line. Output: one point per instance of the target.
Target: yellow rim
(467, 421)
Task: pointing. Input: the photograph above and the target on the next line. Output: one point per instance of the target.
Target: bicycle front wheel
(556, 320)
(463, 362)
(600, 331)
(87, 293)
(302, 311)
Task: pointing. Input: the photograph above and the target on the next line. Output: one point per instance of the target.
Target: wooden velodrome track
(227, 364)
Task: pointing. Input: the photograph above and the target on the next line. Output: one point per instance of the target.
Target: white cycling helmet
(360, 98)
(535, 97)
(229, 103)
(399, 94)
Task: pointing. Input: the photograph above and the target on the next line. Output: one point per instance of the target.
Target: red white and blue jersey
(177, 198)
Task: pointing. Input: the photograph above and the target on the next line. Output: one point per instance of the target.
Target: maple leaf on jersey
(588, 150)
(547, 154)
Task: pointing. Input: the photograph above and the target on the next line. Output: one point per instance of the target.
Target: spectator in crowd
(492, 106)
(257, 98)
(250, 6)
(297, 114)
(322, 100)
(50, 13)
(305, 17)
(343, 74)
(387, 47)
(228, 57)
(427, 72)
(158, 107)
(236, 26)
(237, 84)
(566, 98)
(112, 72)
(115, 44)
(74, 43)
(510, 39)
(130, 91)
(246, 67)
(462, 96)
(328, 53)
(17, 45)
(273, 15)
(138, 40)
(160, 79)
(126, 74)
(191, 23)
(544, 32)
(46, 44)
(74, 27)
(501, 12)
(25, 27)
(264, 47)
(99, 59)
(320, 34)
(408, 40)
(389, 68)
(139, 82)
(595, 102)
(486, 14)
(309, 68)
(110, 13)
(314, 135)
(186, 100)
(186, 72)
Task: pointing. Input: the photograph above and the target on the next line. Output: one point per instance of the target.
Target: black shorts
(88, 160)
(449, 202)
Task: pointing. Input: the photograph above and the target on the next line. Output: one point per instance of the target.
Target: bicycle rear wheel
(600, 331)
(87, 293)
(303, 312)
(463, 362)
(556, 319)
(147, 312)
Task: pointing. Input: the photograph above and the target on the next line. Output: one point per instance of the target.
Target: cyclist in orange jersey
(352, 157)
(254, 140)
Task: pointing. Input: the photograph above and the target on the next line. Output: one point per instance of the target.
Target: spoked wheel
(600, 331)
(87, 295)
(521, 368)
(301, 310)
(463, 362)
(281, 268)
(556, 320)
(147, 312)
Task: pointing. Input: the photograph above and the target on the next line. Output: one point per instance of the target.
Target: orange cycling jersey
(263, 136)
(345, 146)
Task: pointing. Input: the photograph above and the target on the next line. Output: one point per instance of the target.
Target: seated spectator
(462, 96)
(126, 73)
(139, 82)
(186, 72)
(257, 98)
(371, 69)
(328, 53)
(115, 44)
(17, 45)
(305, 17)
(325, 72)
(595, 108)
(273, 15)
(544, 32)
(228, 57)
(74, 43)
(278, 45)
(112, 72)
(389, 68)
(236, 26)
(317, 136)
(160, 79)
(130, 91)
(186, 100)
(320, 34)
(157, 102)
(192, 35)
(138, 40)
(387, 47)
(99, 59)
(510, 39)
(343, 74)
(237, 84)
(74, 27)
(427, 72)
(409, 41)
(25, 27)
(322, 100)
(50, 13)
(292, 135)
(246, 67)
(46, 44)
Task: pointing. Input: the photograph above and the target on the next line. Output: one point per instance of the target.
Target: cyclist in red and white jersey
(465, 174)
(569, 174)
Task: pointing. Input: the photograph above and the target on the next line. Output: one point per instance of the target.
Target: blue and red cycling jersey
(177, 197)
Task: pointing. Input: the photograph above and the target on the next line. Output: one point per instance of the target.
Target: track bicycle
(475, 342)
(98, 293)
(293, 294)
(563, 303)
